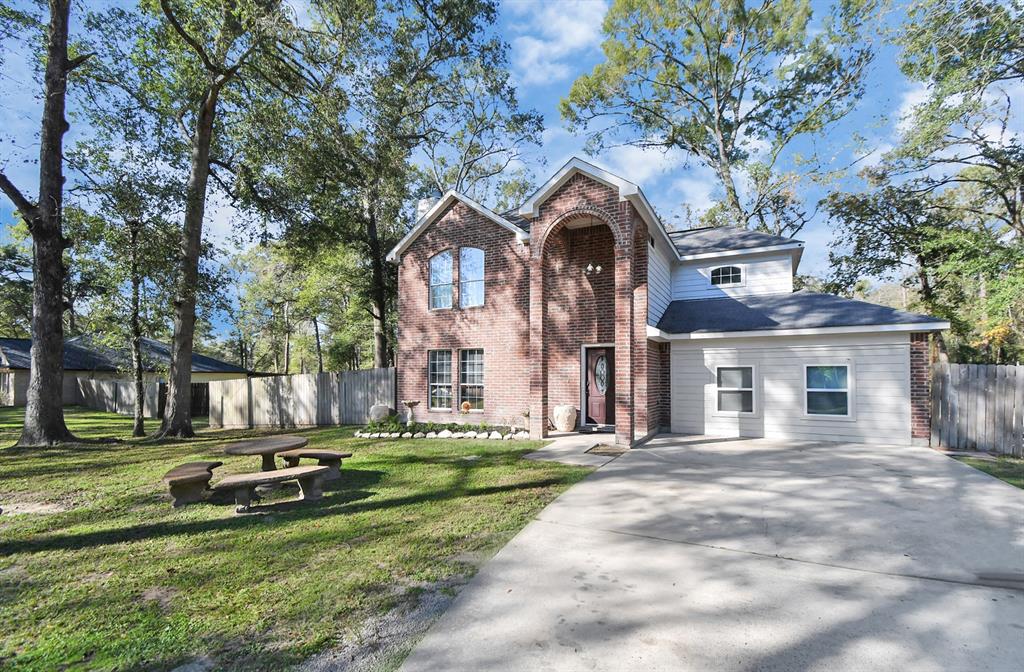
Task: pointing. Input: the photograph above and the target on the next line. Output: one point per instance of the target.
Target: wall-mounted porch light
(591, 269)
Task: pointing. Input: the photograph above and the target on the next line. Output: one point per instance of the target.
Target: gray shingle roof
(82, 353)
(798, 310)
(723, 239)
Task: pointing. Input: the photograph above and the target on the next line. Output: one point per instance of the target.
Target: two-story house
(582, 297)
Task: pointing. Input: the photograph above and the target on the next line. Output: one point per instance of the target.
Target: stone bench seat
(325, 458)
(189, 482)
(242, 485)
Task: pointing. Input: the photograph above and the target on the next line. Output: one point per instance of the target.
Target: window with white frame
(471, 380)
(726, 275)
(439, 379)
(827, 389)
(735, 389)
(441, 280)
(471, 277)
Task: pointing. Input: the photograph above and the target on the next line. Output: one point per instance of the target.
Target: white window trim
(431, 285)
(430, 385)
(482, 280)
(483, 360)
(741, 283)
(755, 389)
(851, 378)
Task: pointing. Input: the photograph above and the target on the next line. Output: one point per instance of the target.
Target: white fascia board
(430, 215)
(796, 248)
(656, 334)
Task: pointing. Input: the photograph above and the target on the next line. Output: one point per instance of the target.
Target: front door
(600, 387)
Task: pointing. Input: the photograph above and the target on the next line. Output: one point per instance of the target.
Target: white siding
(659, 282)
(880, 369)
(762, 274)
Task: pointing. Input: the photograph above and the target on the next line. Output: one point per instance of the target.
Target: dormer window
(441, 280)
(724, 276)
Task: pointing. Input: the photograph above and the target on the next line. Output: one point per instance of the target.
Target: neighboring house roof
(793, 313)
(438, 209)
(717, 241)
(628, 191)
(83, 353)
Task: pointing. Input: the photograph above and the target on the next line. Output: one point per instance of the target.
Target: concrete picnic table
(267, 447)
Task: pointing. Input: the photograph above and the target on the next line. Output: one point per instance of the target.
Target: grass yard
(97, 571)
(1009, 469)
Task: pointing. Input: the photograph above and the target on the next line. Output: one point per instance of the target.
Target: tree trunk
(287, 340)
(928, 298)
(378, 293)
(319, 350)
(139, 424)
(178, 413)
(44, 411)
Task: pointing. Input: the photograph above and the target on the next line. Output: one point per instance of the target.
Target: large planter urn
(564, 417)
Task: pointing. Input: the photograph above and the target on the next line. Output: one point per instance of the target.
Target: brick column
(920, 389)
(624, 342)
(643, 423)
(538, 363)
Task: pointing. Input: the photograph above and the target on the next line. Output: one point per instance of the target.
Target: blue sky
(551, 43)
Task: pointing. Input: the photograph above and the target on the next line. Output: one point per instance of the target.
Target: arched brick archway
(569, 309)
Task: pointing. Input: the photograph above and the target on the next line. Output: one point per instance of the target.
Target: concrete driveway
(729, 554)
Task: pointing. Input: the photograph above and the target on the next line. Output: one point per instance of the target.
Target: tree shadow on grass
(337, 503)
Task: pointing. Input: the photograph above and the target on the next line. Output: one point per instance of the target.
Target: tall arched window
(726, 275)
(441, 280)
(471, 277)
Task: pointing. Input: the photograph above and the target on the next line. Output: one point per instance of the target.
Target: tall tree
(44, 412)
(197, 66)
(732, 83)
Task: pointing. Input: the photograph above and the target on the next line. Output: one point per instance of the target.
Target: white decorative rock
(379, 412)
(431, 435)
(457, 435)
(470, 434)
(496, 435)
(522, 436)
(395, 435)
(564, 417)
(507, 437)
(407, 435)
(419, 435)
(374, 435)
(444, 434)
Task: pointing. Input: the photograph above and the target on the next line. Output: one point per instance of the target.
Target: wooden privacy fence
(304, 400)
(118, 396)
(978, 407)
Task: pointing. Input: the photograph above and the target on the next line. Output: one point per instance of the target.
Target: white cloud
(552, 33)
(640, 165)
(916, 95)
(697, 187)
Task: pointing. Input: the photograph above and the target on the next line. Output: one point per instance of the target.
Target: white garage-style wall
(879, 367)
(659, 280)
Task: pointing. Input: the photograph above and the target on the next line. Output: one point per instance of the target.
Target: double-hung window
(441, 280)
(471, 380)
(439, 379)
(471, 277)
(735, 389)
(827, 389)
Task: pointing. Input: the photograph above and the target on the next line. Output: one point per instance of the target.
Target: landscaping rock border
(516, 435)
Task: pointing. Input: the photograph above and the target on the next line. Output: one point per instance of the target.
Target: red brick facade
(540, 309)
(500, 326)
(920, 388)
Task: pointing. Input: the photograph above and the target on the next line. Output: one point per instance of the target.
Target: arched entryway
(581, 317)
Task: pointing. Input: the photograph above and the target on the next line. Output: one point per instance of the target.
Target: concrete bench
(242, 485)
(189, 482)
(325, 458)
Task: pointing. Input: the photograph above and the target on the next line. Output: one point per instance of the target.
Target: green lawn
(99, 572)
(1009, 469)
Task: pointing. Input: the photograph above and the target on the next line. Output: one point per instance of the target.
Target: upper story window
(471, 277)
(441, 280)
(726, 275)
